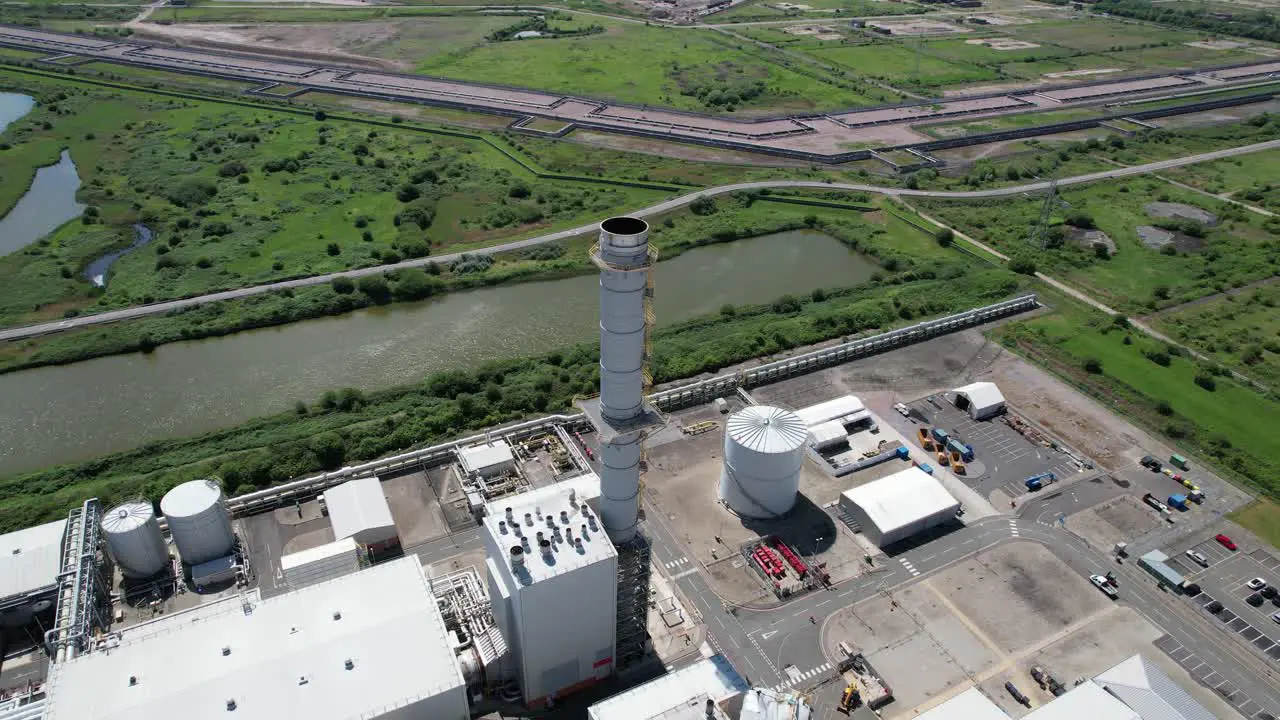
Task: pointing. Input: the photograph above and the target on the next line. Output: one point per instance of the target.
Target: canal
(62, 414)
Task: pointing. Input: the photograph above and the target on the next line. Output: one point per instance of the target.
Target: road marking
(824, 602)
(910, 568)
(795, 676)
(766, 636)
(677, 563)
(684, 574)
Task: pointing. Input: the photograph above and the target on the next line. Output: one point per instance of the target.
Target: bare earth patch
(1002, 43)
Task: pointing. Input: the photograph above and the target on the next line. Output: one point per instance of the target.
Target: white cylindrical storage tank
(763, 450)
(134, 539)
(198, 521)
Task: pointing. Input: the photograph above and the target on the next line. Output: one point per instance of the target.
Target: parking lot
(1003, 459)
(1224, 581)
(1206, 674)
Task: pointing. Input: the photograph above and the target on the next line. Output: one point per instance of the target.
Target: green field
(1136, 279)
(234, 13)
(245, 195)
(682, 68)
(1249, 178)
(1181, 56)
(1241, 331)
(1097, 35)
(1261, 517)
(1167, 393)
(961, 50)
(898, 64)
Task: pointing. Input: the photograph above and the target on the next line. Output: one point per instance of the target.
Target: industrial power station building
(368, 645)
(553, 583)
(896, 507)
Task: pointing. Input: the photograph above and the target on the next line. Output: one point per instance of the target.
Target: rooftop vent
(231, 704)
(302, 680)
(133, 680)
(349, 664)
(564, 517)
(337, 614)
(528, 519)
(226, 650)
(517, 556)
(502, 526)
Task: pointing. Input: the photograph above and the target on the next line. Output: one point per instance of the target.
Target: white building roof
(827, 432)
(968, 705)
(586, 486)
(287, 656)
(345, 546)
(713, 677)
(901, 498)
(982, 394)
(30, 559)
(1152, 694)
(479, 457)
(830, 410)
(357, 505)
(1084, 701)
(539, 505)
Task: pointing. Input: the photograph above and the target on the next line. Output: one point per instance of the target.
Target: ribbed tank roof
(766, 429)
(127, 516)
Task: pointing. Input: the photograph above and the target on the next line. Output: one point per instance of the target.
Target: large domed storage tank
(198, 521)
(763, 450)
(134, 539)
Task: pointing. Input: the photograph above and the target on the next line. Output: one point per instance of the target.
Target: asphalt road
(762, 643)
(138, 311)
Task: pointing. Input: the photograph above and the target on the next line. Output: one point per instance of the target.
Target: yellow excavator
(849, 699)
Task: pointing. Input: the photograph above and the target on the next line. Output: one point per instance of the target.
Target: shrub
(374, 286)
(1093, 366)
(320, 115)
(415, 248)
(233, 169)
(1164, 408)
(342, 285)
(703, 206)
(1206, 381)
(1023, 266)
(204, 263)
(192, 192)
(216, 229)
(1081, 220)
(518, 190)
(408, 193)
(944, 236)
(332, 249)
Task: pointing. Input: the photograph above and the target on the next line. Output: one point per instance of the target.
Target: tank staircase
(845, 518)
(81, 589)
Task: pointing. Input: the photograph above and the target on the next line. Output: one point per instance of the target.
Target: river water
(96, 271)
(66, 413)
(47, 204)
(13, 106)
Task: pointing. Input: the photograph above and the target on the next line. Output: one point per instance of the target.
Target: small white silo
(134, 538)
(198, 521)
(763, 450)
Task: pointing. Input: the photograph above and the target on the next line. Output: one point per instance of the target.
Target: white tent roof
(765, 704)
(968, 705)
(357, 505)
(901, 498)
(982, 394)
(31, 558)
(1154, 695)
(830, 410)
(1084, 701)
(713, 677)
(827, 432)
(284, 656)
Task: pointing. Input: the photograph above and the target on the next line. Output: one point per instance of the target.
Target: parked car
(1190, 589)
(1275, 617)
(1269, 592)
(1199, 557)
(1256, 584)
(1255, 600)
(1214, 607)
(903, 410)
(1225, 541)
(1150, 463)
(1104, 585)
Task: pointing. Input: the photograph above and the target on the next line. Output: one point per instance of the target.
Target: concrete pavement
(138, 311)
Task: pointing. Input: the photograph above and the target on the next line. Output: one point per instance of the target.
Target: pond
(47, 205)
(14, 106)
(73, 412)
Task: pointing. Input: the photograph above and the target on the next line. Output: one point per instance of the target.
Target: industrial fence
(694, 393)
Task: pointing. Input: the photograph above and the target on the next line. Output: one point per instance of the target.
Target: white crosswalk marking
(797, 676)
(1013, 528)
(677, 563)
(910, 568)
